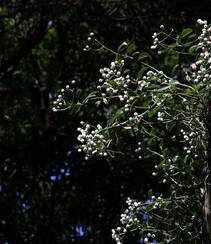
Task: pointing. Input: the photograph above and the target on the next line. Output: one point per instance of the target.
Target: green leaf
(170, 126)
(173, 45)
(150, 193)
(131, 48)
(135, 53)
(141, 71)
(192, 36)
(98, 103)
(193, 48)
(115, 117)
(175, 69)
(126, 71)
(151, 114)
(164, 88)
(144, 55)
(91, 95)
(122, 46)
(186, 32)
(160, 165)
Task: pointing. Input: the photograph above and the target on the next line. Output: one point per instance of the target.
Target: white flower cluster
(113, 71)
(59, 103)
(168, 167)
(89, 39)
(157, 76)
(188, 138)
(134, 119)
(130, 219)
(112, 82)
(142, 83)
(93, 142)
(155, 39)
(138, 150)
(161, 116)
(148, 237)
(202, 67)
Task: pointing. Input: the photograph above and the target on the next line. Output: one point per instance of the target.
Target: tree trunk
(207, 213)
(207, 187)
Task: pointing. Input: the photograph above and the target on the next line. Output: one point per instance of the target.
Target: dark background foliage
(48, 193)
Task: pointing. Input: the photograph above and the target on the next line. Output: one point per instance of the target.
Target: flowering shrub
(168, 117)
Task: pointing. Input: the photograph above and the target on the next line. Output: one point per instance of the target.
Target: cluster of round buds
(155, 39)
(161, 116)
(201, 22)
(134, 119)
(157, 76)
(138, 150)
(142, 83)
(168, 167)
(90, 39)
(128, 101)
(59, 103)
(117, 234)
(164, 180)
(112, 73)
(128, 219)
(188, 138)
(149, 239)
(156, 202)
(201, 69)
(113, 83)
(93, 142)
